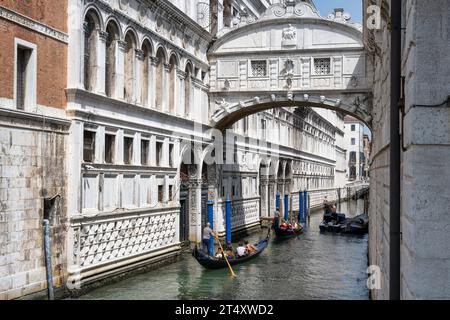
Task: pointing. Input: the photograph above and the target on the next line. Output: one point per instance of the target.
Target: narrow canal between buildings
(312, 266)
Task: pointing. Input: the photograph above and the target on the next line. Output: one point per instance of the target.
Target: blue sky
(354, 7)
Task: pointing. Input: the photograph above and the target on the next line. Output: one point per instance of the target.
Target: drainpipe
(394, 194)
(49, 211)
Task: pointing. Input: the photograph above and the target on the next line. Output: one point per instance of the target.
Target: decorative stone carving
(142, 13)
(290, 95)
(289, 36)
(273, 97)
(123, 5)
(227, 85)
(102, 241)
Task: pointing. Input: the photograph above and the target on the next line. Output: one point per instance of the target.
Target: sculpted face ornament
(227, 85)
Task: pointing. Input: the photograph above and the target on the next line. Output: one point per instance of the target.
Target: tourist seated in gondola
(250, 248)
(229, 252)
(241, 250)
(219, 253)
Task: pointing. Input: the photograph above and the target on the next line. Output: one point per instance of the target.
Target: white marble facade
(142, 92)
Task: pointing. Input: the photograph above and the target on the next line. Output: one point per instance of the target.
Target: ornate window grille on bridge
(322, 66)
(259, 68)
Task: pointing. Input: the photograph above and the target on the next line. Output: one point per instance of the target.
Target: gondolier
(206, 240)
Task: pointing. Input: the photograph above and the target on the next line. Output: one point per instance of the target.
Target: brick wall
(51, 61)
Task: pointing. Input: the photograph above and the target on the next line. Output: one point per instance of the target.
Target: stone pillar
(176, 90)
(272, 196)
(181, 76)
(137, 92)
(195, 210)
(120, 69)
(152, 80)
(264, 189)
(101, 62)
(165, 88)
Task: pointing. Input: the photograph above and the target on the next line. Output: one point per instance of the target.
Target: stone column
(176, 90)
(165, 88)
(264, 189)
(120, 69)
(181, 76)
(195, 210)
(152, 80)
(101, 63)
(137, 92)
(272, 196)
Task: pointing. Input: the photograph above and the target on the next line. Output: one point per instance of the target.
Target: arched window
(110, 59)
(130, 59)
(91, 27)
(145, 78)
(161, 58)
(187, 89)
(172, 82)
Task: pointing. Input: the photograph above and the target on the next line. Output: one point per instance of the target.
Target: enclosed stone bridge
(290, 57)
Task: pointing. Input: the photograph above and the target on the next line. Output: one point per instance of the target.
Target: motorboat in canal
(218, 263)
(356, 225)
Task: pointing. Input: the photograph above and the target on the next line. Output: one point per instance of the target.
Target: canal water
(312, 266)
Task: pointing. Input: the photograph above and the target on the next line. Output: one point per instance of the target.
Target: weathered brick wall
(32, 167)
(51, 60)
(48, 12)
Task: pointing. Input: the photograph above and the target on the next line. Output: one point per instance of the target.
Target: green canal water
(312, 266)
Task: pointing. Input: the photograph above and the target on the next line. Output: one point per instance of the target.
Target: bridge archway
(290, 57)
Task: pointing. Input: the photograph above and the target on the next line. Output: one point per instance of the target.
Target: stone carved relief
(123, 5)
(100, 242)
(289, 36)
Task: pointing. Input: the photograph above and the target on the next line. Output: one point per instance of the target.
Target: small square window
(88, 146)
(353, 127)
(159, 147)
(127, 150)
(110, 143)
(353, 141)
(259, 68)
(144, 152)
(160, 193)
(322, 66)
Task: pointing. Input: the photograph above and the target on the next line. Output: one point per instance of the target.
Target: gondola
(282, 234)
(216, 263)
(357, 225)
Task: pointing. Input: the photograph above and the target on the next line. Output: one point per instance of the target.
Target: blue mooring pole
(300, 207)
(305, 202)
(48, 259)
(228, 220)
(286, 207)
(277, 203)
(211, 221)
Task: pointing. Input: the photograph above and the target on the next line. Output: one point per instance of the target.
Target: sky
(354, 7)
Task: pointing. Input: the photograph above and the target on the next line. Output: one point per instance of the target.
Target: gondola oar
(226, 259)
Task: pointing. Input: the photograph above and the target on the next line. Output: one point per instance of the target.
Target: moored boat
(218, 263)
(356, 225)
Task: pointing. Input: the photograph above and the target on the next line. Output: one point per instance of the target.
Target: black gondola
(357, 225)
(282, 234)
(218, 263)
